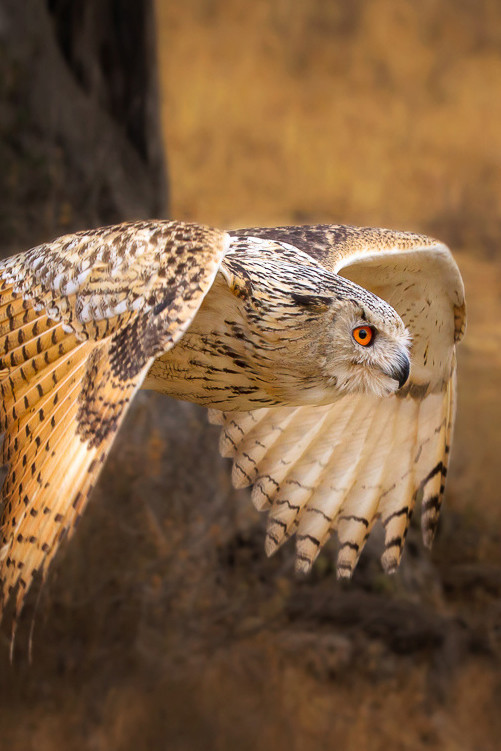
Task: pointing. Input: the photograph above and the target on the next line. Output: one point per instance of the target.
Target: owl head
(364, 346)
(298, 334)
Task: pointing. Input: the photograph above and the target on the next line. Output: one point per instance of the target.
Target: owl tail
(61, 407)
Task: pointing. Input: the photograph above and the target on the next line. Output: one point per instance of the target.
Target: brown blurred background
(162, 624)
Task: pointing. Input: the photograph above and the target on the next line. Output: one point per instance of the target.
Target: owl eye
(363, 335)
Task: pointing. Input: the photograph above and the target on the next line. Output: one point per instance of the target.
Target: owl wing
(81, 320)
(342, 466)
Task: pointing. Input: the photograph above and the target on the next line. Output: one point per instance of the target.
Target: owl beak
(401, 372)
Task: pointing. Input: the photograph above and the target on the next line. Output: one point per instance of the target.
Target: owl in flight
(326, 354)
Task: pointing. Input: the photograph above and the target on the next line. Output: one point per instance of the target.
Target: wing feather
(81, 320)
(399, 491)
(236, 430)
(347, 458)
(359, 459)
(307, 474)
(434, 460)
(58, 482)
(257, 443)
(360, 508)
(276, 464)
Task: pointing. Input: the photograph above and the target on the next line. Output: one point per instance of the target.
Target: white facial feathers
(377, 363)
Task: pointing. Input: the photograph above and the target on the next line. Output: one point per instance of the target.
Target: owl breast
(244, 351)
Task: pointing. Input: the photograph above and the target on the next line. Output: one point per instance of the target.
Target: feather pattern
(77, 338)
(332, 435)
(364, 458)
(357, 460)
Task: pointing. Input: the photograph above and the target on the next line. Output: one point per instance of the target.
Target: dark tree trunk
(80, 140)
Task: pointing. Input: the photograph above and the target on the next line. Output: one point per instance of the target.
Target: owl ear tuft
(313, 302)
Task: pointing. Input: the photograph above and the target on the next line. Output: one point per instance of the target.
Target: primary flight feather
(326, 353)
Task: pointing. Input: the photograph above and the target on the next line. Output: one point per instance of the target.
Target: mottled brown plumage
(81, 320)
(315, 422)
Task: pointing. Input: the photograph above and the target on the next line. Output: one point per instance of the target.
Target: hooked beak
(401, 371)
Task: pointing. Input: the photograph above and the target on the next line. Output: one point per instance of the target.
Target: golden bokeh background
(366, 112)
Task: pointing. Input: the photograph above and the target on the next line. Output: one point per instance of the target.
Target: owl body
(325, 353)
(275, 329)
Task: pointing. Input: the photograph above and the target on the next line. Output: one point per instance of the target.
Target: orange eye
(363, 335)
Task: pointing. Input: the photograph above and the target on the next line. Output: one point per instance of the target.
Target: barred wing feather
(81, 320)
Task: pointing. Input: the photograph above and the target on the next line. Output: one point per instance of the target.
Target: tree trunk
(80, 139)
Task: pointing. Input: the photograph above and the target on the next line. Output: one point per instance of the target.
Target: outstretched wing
(81, 320)
(342, 466)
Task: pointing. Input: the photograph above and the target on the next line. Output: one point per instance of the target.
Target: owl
(326, 354)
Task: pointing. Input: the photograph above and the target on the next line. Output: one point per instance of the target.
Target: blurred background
(162, 624)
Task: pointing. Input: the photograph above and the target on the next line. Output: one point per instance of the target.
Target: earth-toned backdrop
(162, 624)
